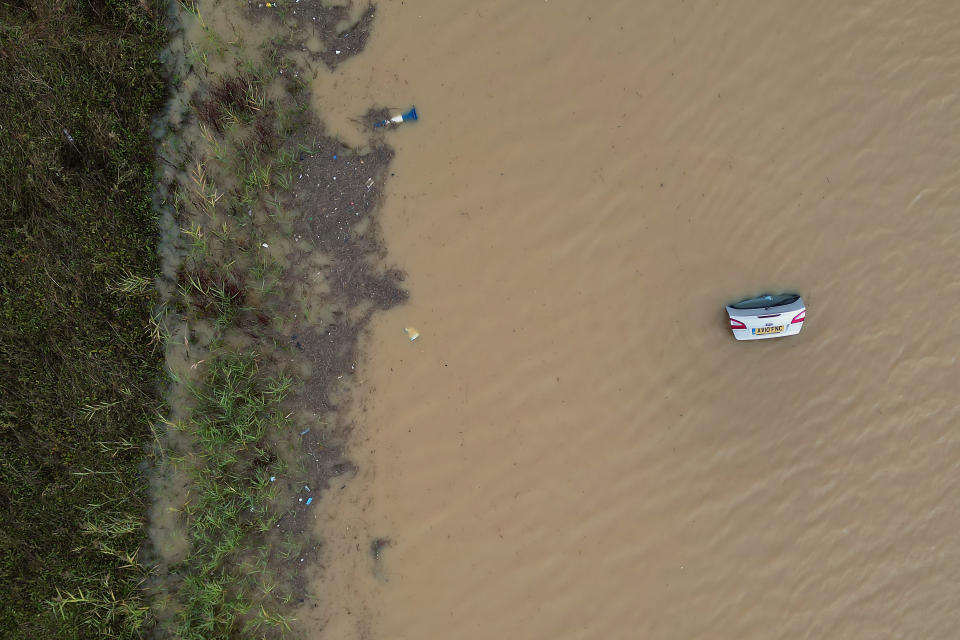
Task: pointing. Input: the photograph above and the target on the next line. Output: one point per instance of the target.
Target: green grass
(235, 580)
(79, 83)
(82, 335)
(230, 508)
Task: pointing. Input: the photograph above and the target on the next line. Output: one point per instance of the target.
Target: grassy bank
(225, 586)
(276, 271)
(238, 148)
(78, 387)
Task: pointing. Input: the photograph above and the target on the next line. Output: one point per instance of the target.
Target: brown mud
(339, 251)
(329, 33)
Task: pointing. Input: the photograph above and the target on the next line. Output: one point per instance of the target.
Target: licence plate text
(760, 331)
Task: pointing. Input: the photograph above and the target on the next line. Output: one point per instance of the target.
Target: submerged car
(767, 316)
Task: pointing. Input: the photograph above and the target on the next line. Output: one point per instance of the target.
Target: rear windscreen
(762, 302)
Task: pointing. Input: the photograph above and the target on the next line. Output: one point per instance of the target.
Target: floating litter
(412, 333)
(403, 117)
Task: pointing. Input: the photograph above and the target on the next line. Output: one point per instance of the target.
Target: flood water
(576, 447)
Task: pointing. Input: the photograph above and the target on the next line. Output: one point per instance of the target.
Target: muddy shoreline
(276, 272)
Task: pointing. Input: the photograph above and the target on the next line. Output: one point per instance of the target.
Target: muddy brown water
(576, 447)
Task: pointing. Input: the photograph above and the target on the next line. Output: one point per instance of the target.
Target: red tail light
(799, 317)
(736, 324)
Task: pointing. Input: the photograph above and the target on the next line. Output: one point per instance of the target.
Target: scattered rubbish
(306, 488)
(272, 478)
(369, 182)
(305, 431)
(299, 499)
(309, 500)
(403, 117)
(265, 245)
(412, 333)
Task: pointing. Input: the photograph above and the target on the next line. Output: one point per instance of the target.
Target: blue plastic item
(403, 117)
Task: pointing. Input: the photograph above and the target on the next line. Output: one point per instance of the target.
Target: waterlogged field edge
(268, 288)
(85, 334)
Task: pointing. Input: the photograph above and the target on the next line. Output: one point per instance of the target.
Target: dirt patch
(338, 191)
(226, 98)
(339, 255)
(341, 38)
(377, 546)
(375, 116)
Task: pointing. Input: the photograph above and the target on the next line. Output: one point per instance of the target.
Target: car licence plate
(761, 331)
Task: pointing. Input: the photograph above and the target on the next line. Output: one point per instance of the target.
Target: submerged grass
(79, 82)
(237, 154)
(230, 506)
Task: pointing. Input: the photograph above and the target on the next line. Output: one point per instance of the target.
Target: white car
(767, 316)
